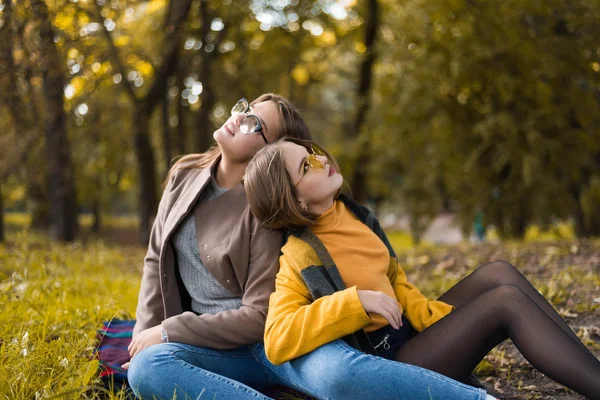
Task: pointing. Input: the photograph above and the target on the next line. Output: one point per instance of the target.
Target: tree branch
(114, 55)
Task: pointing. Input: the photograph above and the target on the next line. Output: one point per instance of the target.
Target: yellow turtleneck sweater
(360, 256)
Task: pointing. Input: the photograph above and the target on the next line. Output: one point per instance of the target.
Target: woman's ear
(303, 205)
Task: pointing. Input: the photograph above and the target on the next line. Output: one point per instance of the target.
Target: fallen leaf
(567, 313)
(423, 259)
(529, 387)
(445, 264)
(497, 387)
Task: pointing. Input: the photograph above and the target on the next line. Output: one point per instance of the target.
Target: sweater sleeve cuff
(356, 307)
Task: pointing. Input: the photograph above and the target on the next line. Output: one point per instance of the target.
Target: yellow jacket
(302, 316)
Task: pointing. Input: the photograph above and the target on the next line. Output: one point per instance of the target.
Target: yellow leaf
(88, 371)
(72, 53)
(144, 68)
(64, 20)
(360, 47)
(106, 67)
(125, 184)
(122, 41)
(78, 83)
(326, 39)
(156, 5)
(17, 194)
(300, 75)
(83, 19)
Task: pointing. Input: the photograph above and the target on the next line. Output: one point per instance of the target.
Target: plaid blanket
(113, 338)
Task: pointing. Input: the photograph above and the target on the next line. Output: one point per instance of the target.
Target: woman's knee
(498, 273)
(142, 368)
(507, 298)
(328, 369)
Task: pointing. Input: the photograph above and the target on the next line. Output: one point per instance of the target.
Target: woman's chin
(339, 180)
(221, 135)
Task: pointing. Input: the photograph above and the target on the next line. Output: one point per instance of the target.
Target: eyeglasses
(250, 124)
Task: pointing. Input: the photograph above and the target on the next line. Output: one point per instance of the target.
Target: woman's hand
(142, 340)
(382, 304)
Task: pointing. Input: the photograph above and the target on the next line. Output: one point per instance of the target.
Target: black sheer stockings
(495, 303)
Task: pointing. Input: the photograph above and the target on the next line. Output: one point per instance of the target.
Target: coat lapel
(187, 199)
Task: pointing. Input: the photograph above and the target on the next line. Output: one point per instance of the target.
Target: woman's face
(316, 187)
(240, 147)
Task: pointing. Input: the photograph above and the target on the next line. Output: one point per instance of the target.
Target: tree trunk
(578, 213)
(359, 178)
(181, 127)
(166, 131)
(38, 205)
(204, 125)
(61, 187)
(18, 110)
(181, 113)
(1, 214)
(147, 199)
(97, 212)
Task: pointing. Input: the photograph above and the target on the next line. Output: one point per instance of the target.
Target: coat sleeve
(296, 325)
(420, 312)
(150, 309)
(242, 326)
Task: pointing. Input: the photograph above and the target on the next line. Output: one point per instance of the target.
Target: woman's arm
(296, 325)
(419, 311)
(242, 326)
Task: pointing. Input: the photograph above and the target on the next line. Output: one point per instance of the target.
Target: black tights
(494, 303)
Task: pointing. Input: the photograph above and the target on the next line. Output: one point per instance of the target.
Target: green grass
(52, 300)
(20, 220)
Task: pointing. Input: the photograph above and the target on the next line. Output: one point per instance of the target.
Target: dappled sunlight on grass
(402, 241)
(52, 299)
(22, 220)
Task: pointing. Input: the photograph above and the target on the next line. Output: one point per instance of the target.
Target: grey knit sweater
(208, 295)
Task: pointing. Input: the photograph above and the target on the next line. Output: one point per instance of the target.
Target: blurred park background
(448, 117)
(481, 109)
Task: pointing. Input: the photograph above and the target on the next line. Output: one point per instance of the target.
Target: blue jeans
(333, 371)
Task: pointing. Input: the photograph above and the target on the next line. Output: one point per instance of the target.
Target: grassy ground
(53, 298)
(567, 272)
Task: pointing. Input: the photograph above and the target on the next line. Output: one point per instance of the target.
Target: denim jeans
(333, 371)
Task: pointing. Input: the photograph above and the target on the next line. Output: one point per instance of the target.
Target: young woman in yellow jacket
(339, 279)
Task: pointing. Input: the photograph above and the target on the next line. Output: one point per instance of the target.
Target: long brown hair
(291, 124)
(271, 192)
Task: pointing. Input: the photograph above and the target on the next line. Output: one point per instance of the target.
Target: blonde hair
(290, 124)
(271, 192)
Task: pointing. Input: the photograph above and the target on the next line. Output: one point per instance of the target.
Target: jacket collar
(185, 202)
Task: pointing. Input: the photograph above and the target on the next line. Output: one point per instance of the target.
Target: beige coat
(235, 249)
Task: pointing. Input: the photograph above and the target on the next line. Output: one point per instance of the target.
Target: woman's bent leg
(338, 371)
(497, 273)
(163, 370)
(455, 344)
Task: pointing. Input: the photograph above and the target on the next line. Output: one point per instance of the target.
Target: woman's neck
(320, 208)
(229, 173)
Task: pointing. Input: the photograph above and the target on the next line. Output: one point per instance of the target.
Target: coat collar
(199, 180)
